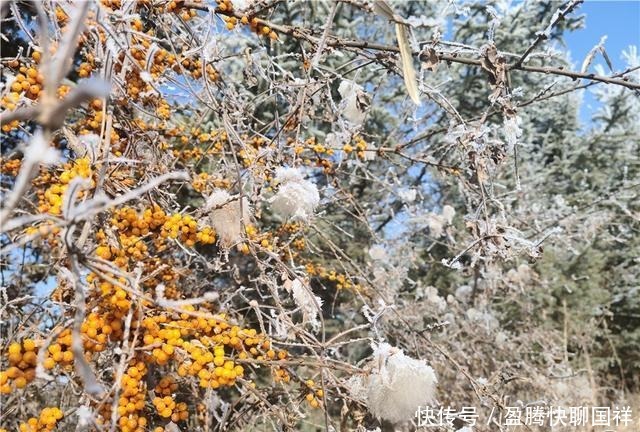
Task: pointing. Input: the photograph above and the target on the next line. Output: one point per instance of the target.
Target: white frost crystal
(307, 302)
(226, 211)
(377, 252)
(512, 130)
(407, 195)
(399, 384)
(297, 198)
(354, 101)
(357, 387)
(437, 222)
(39, 151)
(241, 5)
(448, 213)
(85, 415)
(431, 293)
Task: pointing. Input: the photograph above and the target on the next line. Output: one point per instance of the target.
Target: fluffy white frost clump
(512, 131)
(354, 101)
(241, 5)
(297, 198)
(437, 222)
(377, 253)
(308, 303)
(226, 210)
(397, 386)
(85, 415)
(40, 152)
(408, 195)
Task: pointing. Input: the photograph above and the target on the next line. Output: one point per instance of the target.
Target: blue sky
(620, 21)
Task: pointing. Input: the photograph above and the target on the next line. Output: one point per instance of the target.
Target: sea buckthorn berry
(15, 348)
(49, 363)
(20, 382)
(29, 345)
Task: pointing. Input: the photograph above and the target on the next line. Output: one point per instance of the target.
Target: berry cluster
(309, 149)
(185, 228)
(115, 299)
(168, 408)
(342, 281)
(29, 81)
(360, 146)
(10, 167)
(130, 223)
(85, 69)
(50, 201)
(281, 375)
(185, 347)
(166, 386)
(47, 421)
(132, 398)
(313, 394)
(22, 360)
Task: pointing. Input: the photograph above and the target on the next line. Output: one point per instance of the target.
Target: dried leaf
(408, 70)
(606, 58)
(430, 59)
(83, 146)
(382, 8)
(496, 67)
(171, 427)
(592, 53)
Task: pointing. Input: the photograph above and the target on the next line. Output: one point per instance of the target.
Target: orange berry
(13, 372)
(29, 345)
(20, 382)
(15, 348)
(30, 357)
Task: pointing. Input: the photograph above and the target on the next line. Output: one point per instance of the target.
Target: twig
(543, 35)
